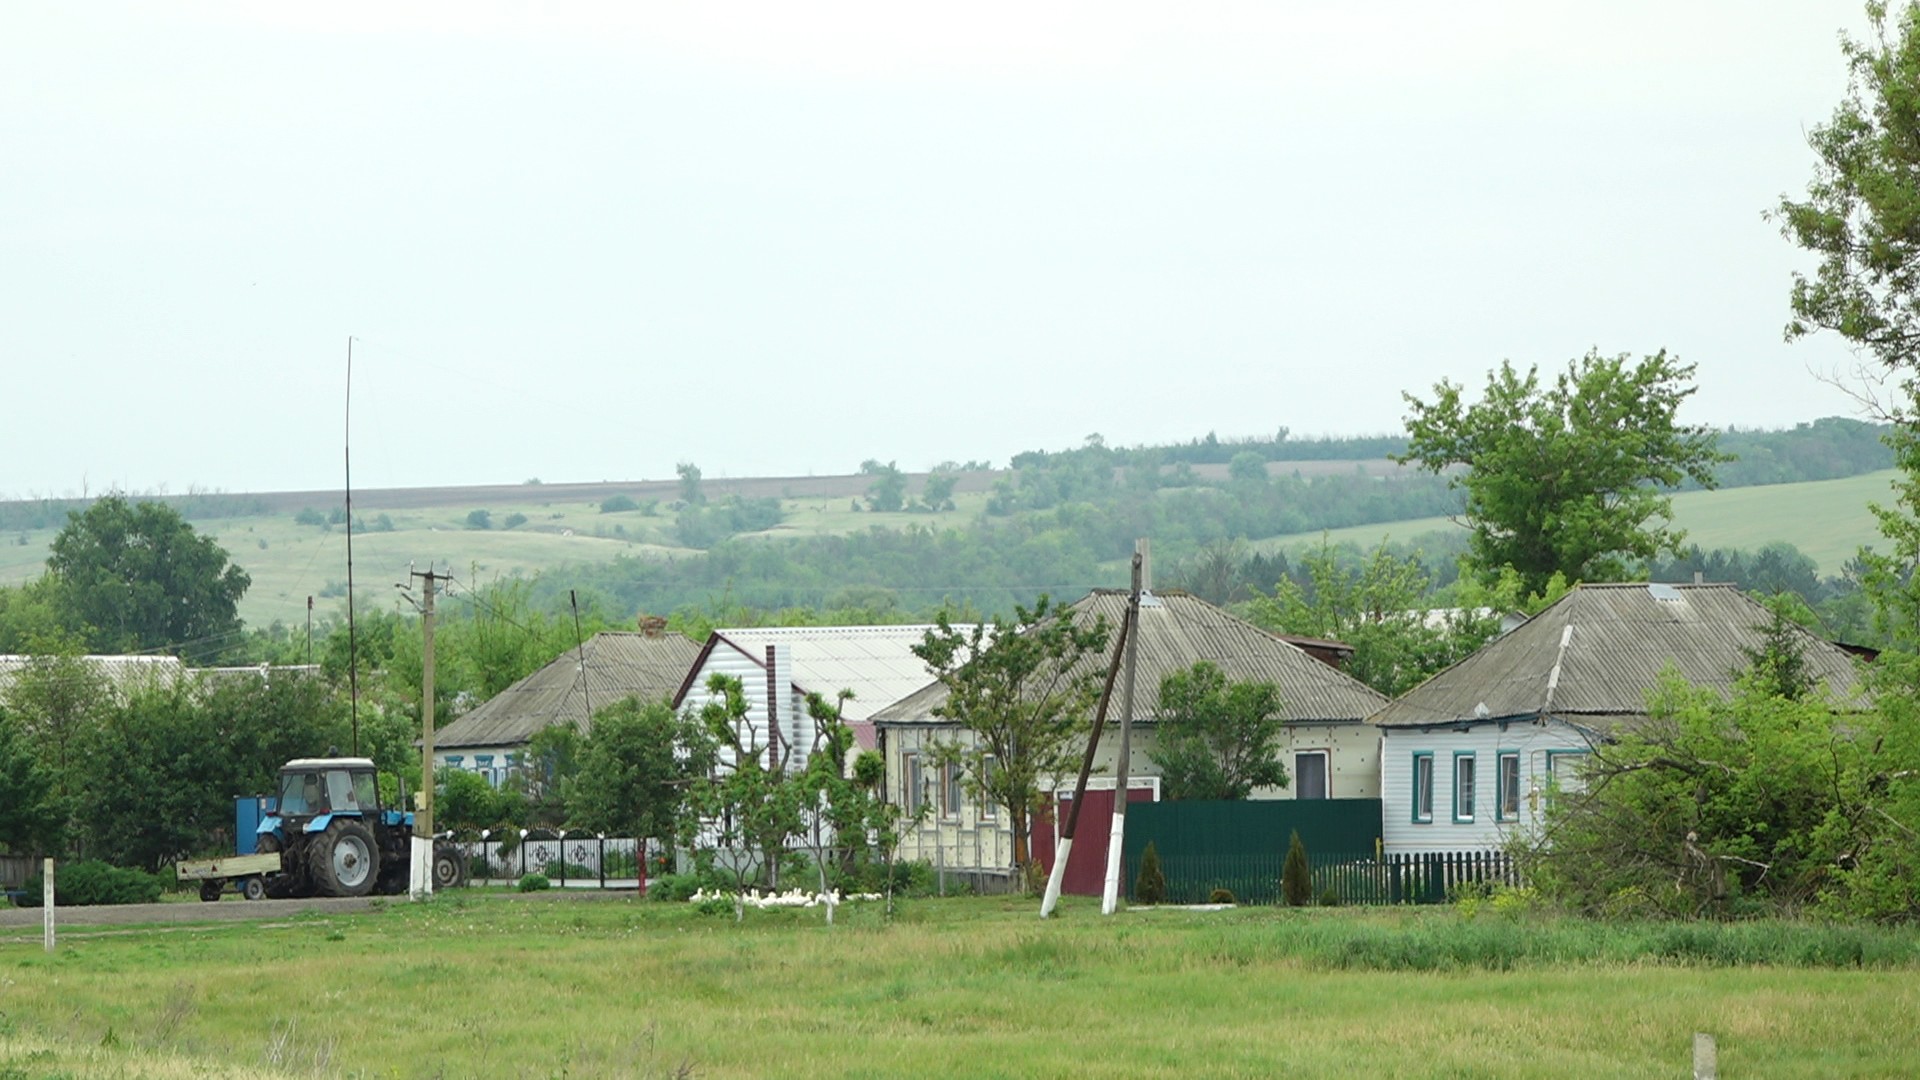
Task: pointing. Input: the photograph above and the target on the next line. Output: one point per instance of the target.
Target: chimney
(1699, 577)
(652, 625)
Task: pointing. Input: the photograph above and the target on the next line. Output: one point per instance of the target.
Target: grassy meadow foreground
(491, 986)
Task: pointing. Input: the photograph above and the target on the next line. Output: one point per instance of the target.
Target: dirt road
(26, 921)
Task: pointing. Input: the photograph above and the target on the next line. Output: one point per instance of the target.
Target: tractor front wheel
(344, 860)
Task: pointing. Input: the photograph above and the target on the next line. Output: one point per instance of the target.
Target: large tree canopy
(1217, 739)
(1566, 477)
(140, 579)
(1861, 216)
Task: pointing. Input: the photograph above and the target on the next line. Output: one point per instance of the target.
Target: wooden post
(46, 900)
(1706, 1057)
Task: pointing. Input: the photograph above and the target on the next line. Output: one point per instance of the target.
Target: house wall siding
(1536, 743)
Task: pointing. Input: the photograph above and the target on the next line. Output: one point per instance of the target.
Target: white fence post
(46, 900)
(1706, 1057)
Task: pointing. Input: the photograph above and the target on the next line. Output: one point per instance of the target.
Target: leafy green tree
(1215, 739)
(938, 492)
(1023, 689)
(888, 491)
(479, 519)
(1384, 609)
(749, 806)
(60, 702)
(1861, 205)
(690, 492)
(1248, 467)
(1571, 477)
(139, 579)
(28, 816)
(635, 764)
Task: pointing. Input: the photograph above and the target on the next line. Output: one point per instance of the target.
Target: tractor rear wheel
(343, 860)
(449, 867)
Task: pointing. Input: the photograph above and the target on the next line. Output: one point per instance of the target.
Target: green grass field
(497, 986)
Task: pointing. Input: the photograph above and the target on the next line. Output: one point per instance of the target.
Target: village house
(1469, 757)
(610, 666)
(1328, 750)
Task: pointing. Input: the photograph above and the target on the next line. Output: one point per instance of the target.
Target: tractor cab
(313, 791)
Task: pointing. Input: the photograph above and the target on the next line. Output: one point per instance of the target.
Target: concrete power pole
(1110, 895)
(420, 879)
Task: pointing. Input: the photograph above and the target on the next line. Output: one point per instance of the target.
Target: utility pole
(422, 876)
(1064, 850)
(1110, 896)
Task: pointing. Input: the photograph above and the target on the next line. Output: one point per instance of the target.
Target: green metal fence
(1242, 846)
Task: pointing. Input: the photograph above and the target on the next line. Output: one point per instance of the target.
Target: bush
(673, 888)
(479, 519)
(1221, 896)
(85, 884)
(1151, 886)
(515, 520)
(1296, 876)
(1330, 898)
(535, 883)
(619, 504)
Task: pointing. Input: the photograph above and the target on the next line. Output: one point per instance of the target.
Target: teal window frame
(1473, 786)
(454, 760)
(1505, 791)
(1553, 758)
(1421, 757)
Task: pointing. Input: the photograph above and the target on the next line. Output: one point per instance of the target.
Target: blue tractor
(334, 839)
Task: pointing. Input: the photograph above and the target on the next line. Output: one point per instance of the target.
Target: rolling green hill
(1828, 520)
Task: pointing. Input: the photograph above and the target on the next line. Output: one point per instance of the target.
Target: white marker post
(46, 900)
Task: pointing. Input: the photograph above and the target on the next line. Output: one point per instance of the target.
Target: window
(483, 761)
(910, 776)
(950, 791)
(1463, 785)
(453, 760)
(1310, 774)
(1563, 770)
(365, 791)
(988, 809)
(1508, 806)
(1423, 786)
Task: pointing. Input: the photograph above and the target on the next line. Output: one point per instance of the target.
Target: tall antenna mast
(353, 654)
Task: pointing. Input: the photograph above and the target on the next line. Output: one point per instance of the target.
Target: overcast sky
(779, 238)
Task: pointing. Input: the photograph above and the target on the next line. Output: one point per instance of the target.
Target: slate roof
(123, 674)
(619, 664)
(1177, 629)
(1618, 639)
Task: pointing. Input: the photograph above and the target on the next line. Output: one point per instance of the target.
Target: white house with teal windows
(1469, 758)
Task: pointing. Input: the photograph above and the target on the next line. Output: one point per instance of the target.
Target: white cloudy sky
(585, 241)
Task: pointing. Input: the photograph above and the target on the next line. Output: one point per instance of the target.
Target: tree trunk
(1017, 817)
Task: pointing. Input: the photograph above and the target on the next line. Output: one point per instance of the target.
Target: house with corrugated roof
(610, 666)
(1469, 756)
(121, 675)
(1328, 750)
(778, 666)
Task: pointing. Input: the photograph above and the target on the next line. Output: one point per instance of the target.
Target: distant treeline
(194, 506)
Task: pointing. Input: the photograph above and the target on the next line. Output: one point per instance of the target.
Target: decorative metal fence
(568, 860)
(1341, 878)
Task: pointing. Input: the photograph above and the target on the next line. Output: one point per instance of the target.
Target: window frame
(1469, 758)
(988, 810)
(1505, 792)
(951, 795)
(910, 782)
(1326, 773)
(1422, 757)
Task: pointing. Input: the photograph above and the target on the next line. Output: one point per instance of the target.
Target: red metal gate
(1087, 866)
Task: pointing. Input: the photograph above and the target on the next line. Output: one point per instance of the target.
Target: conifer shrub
(1151, 886)
(1296, 875)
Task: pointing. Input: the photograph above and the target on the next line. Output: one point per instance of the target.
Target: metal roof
(875, 662)
(1597, 652)
(618, 665)
(1175, 631)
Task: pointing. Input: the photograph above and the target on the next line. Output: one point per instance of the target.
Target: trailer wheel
(210, 890)
(253, 889)
(344, 860)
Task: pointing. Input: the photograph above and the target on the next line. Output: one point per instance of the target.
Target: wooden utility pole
(1064, 850)
(1110, 896)
(422, 876)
